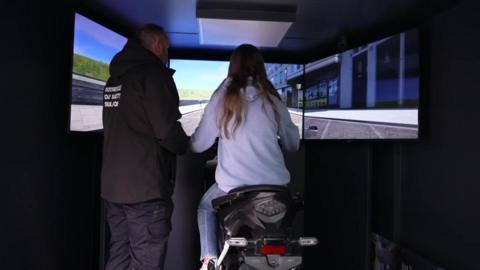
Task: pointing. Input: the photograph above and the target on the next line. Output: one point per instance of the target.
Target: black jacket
(142, 134)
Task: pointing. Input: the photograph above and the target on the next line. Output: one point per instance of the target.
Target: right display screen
(370, 92)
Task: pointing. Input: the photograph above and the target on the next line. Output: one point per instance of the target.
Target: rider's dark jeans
(139, 234)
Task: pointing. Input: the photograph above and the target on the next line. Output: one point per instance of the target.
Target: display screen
(94, 48)
(196, 81)
(370, 92)
(288, 80)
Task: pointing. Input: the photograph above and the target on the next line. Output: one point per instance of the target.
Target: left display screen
(93, 48)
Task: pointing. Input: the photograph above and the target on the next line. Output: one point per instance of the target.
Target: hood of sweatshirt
(250, 93)
(132, 55)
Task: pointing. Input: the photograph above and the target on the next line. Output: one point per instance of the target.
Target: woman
(248, 117)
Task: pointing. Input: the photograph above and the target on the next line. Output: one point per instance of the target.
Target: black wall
(440, 206)
(424, 195)
(337, 191)
(49, 179)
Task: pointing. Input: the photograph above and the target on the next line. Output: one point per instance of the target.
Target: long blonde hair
(246, 62)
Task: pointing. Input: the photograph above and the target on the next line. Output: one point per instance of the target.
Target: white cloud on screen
(79, 50)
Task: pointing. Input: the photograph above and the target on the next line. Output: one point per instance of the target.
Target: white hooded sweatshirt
(252, 154)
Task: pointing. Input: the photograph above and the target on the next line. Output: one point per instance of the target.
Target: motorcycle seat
(244, 189)
(238, 192)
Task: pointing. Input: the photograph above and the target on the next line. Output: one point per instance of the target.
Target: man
(142, 136)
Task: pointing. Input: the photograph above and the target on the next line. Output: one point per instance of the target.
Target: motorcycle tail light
(273, 249)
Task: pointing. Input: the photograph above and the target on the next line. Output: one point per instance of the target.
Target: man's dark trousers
(139, 234)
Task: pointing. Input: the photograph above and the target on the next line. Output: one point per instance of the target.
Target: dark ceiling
(319, 24)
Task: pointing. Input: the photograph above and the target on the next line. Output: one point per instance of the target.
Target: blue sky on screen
(95, 41)
(197, 74)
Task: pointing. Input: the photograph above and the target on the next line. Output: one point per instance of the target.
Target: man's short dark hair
(147, 34)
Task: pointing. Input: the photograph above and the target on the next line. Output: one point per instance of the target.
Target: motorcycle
(255, 229)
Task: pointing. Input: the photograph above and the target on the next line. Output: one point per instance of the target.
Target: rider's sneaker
(209, 263)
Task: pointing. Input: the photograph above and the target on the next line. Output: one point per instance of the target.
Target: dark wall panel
(49, 178)
(337, 189)
(440, 198)
(425, 194)
(383, 189)
(184, 242)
